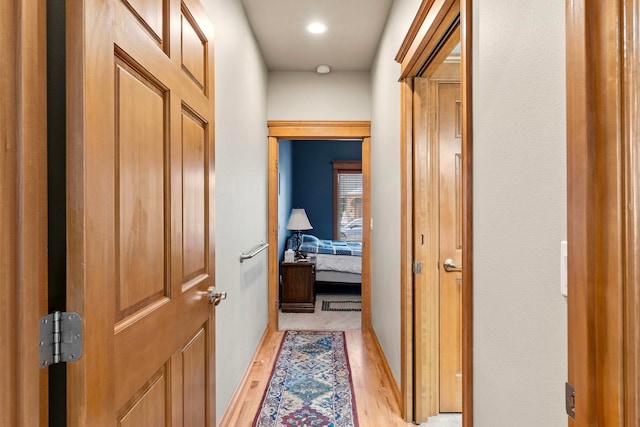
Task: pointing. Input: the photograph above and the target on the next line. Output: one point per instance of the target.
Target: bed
(336, 261)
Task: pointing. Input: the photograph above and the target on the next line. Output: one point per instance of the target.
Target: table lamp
(298, 221)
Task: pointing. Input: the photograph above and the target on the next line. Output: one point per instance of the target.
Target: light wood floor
(375, 401)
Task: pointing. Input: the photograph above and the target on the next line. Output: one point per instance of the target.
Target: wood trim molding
(366, 234)
(433, 21)
(406, 251)
(347, 165)
(631, 135)
(466, 54)
(274, 266)
(596, 210)
(414, 29)
(319, 129)
(310, 130)
(429, 27)
(23, 210)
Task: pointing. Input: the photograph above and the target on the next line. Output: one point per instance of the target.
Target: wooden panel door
(436, 123)
(140, 212)
(450, 195)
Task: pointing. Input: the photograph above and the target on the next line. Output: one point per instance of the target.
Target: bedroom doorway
(301, 272)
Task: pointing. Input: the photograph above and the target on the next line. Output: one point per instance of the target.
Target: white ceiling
(350, 43)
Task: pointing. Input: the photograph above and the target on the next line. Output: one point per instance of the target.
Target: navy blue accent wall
(313, 179)
(285, 182)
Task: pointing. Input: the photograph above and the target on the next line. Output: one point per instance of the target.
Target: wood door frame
(603, 211)
(426, 146)
(315, 130)
(631, 135)
(23, 210)
(433, 22)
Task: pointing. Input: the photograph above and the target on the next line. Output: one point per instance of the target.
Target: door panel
(150, 13)
(194, 53)
(194, 370)
(140, 174)
(149, 407)
(450, 143)
(141, 222)
(194, 202)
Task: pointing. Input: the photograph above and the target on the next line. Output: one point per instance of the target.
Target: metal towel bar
(261, 247)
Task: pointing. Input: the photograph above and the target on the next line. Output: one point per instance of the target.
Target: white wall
(385, 184)
(299, 95)
(519, 177)
(241, 193)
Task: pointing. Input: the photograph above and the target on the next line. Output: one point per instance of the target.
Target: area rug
(310, 384)
(341, 305)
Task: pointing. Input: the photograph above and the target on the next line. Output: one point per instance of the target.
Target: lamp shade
(298, 220)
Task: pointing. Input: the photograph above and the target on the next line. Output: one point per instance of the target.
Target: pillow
(308, 238)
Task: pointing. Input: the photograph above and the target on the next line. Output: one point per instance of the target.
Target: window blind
(349, 212)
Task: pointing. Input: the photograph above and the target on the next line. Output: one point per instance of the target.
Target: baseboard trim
(236, 403)
(386, 367)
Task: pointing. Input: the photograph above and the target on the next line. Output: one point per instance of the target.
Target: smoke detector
(323, 69)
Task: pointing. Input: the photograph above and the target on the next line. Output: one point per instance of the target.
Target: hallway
(376, 404)
(520, 165)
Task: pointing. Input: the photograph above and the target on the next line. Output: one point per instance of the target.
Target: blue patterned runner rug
(311, 383)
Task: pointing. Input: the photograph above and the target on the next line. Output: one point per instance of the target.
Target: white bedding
(343, 263)
(338, 277)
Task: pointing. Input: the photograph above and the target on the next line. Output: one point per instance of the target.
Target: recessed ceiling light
(316, 28)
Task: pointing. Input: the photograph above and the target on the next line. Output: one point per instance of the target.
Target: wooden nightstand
(298, 293)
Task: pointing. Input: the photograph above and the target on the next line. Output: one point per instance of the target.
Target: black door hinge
(570, 400)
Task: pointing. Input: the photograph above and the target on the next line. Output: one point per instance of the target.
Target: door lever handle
(450, 266)
(215, 296)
